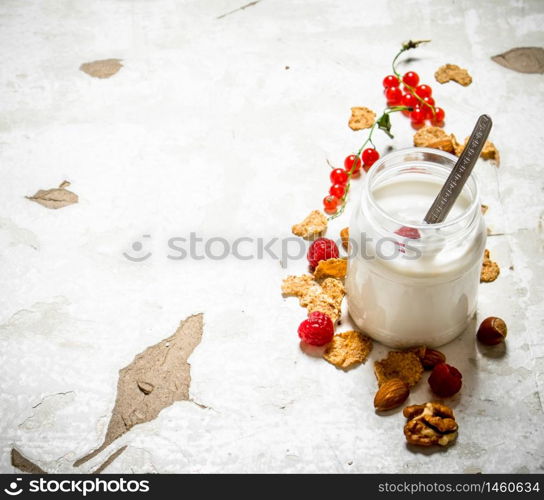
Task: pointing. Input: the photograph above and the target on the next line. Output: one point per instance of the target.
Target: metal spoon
(460, 173)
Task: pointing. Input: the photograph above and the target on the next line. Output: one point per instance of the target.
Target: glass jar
(411, 283)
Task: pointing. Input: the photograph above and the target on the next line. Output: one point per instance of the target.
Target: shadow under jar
(411, 283)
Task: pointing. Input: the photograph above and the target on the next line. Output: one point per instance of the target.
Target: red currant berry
(424, 91)
(322, 249)
(417, 116)
(352, 164)
(439, 115)
(370, 156)
(330, 203)
(390, 81)
(337, 190)
(411, 78)
(428, 110)
(318, 329)
(339, 176)
(393, 95)
(409, 100)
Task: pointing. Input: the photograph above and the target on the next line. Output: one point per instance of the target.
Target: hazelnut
(492, 331)
(391, 394)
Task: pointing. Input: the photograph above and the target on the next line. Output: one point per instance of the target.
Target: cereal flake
(348, 349)
(314, 224)
(453, 72)
(336, 268)
(361, 118)
(490, 269)
(399, 364)
(325, 297)
(297, 285)
(344, 234)
(433, 137)
(489, 151)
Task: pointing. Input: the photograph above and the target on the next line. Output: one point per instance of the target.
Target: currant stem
(407, 46)
(411, 44)
(343, 200)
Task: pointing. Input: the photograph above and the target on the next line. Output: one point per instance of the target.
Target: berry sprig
(418, 97)
(413, 100)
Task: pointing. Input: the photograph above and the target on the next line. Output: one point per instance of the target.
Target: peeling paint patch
(104, 68)
(22, 463)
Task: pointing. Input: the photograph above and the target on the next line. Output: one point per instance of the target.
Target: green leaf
(384, 123)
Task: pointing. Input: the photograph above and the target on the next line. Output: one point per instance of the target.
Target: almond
(431, 358)
(391, 394)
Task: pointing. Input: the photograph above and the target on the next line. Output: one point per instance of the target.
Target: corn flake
(361, 118)
(453, 72)
(489, 151)
(325, 297)
(348, 349)
(297, 285)
(335, 268)
(313, 225)
(344, 234)
(399, 364)
(433, 137)
(490, 269)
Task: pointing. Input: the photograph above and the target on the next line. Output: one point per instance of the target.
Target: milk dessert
(411, 283)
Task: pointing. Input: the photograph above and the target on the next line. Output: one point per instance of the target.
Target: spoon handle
(460, 173)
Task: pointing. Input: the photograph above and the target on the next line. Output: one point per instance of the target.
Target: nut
(429, 357)
(430, 424)
(492, 331)
(391, 394)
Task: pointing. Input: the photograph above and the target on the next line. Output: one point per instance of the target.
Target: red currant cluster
(412, 100)
(418, 97)
(340, 178)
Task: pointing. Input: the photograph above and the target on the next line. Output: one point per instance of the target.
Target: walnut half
(430, 424)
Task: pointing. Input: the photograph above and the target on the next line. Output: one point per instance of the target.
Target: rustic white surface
(205, 129)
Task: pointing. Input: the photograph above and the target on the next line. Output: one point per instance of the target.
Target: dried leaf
(522, 59)
(102, 69)
(55, 198)
(165, 367)
(24, 464)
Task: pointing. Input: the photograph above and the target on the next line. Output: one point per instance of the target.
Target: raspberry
(408, 232)
(317, 329)
(322, 249)
(445, 380)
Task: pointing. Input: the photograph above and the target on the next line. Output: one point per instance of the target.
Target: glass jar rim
(374, 171)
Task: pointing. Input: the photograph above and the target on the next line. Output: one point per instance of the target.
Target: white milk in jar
(411, 283)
